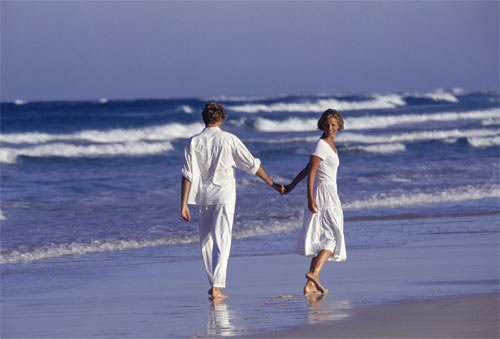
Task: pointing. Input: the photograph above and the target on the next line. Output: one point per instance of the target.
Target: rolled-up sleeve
(187, 169)
(243, 159)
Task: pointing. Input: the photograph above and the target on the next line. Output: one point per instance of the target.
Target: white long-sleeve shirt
(210, 162)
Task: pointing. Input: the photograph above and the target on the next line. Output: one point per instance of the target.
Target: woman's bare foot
(217, 293)
(315, 279)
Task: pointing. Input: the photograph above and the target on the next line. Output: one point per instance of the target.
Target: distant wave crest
(479, 142)
(380, 148)
(457, 194)
(10, 155)
(475, 137)
(320, 105)
(156, 133)
(374, 122)
(115, 142)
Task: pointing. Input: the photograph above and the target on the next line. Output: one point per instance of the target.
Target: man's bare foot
(310, 288)
(315, 279)
(217, 293)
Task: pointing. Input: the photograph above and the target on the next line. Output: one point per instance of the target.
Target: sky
(85, 50)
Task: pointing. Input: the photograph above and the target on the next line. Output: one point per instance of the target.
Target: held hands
(279, 188)
(283, 189)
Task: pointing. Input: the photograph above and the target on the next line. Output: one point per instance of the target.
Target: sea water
(99, 181)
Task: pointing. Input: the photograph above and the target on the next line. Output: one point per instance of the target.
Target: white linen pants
(216, 227)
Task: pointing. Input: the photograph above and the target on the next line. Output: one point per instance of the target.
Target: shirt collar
(213, 129)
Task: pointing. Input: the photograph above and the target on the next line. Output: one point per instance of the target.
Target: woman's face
(330, 126)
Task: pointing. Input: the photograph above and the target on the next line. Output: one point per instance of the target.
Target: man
(208, 180)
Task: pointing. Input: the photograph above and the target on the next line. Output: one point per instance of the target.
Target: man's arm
(261, 173)
(184, 196)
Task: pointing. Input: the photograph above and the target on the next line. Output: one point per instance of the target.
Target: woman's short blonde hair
(331, 113)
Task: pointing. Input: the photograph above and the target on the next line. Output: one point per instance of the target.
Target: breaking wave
(272, 226)
(415, 136)
(439, 95)
(475, 137)
(380, 149)
(320, 105)
(479, 142)
(114, 142)
(374, 122)
(80, 248)
(10, 155)
(155, 133)
(457, 194)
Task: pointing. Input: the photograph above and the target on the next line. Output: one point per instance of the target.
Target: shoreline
(168, 299)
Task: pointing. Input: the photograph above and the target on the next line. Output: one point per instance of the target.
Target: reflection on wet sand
(219, 323)
(333, 310)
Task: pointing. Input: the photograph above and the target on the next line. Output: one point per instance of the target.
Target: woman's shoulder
(320, 148)
(321, 144)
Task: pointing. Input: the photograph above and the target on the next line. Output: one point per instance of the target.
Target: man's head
(213, 112)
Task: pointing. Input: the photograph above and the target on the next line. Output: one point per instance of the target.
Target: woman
(322, 235)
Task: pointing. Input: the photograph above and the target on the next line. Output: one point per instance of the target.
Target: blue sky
(54, 50)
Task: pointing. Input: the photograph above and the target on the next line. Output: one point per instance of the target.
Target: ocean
(98, 182)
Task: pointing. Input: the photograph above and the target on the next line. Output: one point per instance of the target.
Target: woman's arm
(314, 164)
(298, 178)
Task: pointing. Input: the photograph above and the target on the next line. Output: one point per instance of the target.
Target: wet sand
(441, 288)
(460, 317)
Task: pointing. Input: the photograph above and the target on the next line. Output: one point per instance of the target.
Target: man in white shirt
(208, 180)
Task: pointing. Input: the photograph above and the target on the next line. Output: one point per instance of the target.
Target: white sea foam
(491, 121)
(438, 95)
(156, 133)
(380, 148)
(10, 155)
(20, 102)
(481, 142)
(457, 194)
(320, 105)
(372, 122)
(458, 91)
(80, 248)
(2, 217)
(348, 137)
(228, 98)
(272, 226)
(186, 109)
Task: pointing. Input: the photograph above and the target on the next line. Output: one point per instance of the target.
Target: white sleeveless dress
(324, 230)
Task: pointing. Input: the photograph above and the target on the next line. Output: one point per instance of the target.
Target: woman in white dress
(322, 234)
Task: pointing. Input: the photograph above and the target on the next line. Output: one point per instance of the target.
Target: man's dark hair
(212, 112)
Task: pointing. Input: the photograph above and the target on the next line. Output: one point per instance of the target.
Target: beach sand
(460, 317)
(433, 289)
